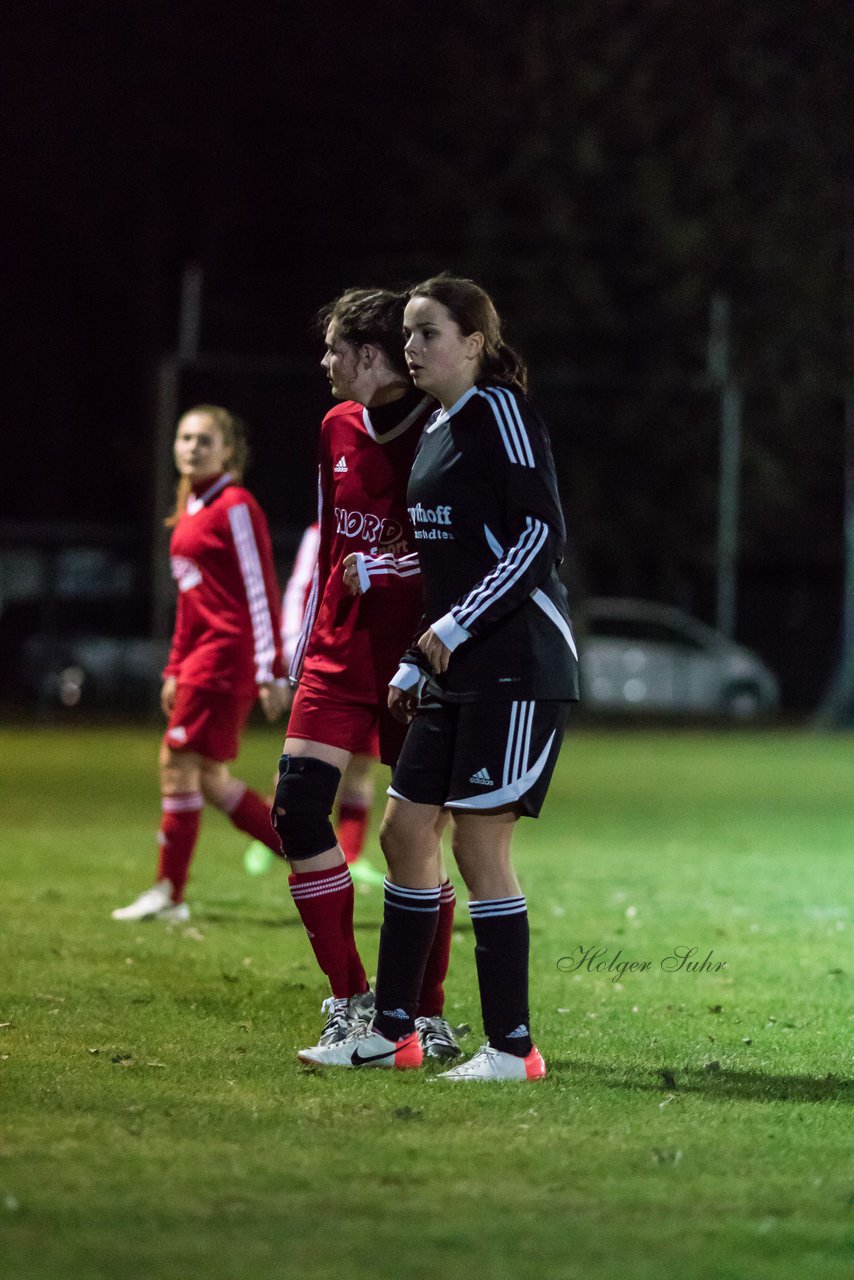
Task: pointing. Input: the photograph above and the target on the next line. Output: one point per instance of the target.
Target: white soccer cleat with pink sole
(493, 1064)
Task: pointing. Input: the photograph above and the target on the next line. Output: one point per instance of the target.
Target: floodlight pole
(718, 372)
(190, 314)
(162, 593)
(837, 706)
(168, 408)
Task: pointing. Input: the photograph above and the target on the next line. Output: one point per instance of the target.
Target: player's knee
(407, 841)
(358, 778)
(390, 839)
(177, 772)
(218, 787)
(305, 794)
(463, 856)
(209, 789)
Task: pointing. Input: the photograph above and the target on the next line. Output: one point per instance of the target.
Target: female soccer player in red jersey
(487, 686)
(226, 651)
(349, 647)
(356, 790)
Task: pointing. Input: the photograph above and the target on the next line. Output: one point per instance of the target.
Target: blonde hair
(234, 433)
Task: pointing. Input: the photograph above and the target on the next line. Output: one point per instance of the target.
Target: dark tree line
(605, 166)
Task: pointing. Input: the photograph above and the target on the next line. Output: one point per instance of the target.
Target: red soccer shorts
(207, 722)
(362, 728)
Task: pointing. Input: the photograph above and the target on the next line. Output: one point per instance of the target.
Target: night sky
(604, 168)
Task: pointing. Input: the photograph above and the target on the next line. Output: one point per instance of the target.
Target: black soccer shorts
(477, 756)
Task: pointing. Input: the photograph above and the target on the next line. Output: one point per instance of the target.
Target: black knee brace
(306, 791)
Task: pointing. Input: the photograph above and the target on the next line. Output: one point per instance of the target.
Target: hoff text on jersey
(432, 516)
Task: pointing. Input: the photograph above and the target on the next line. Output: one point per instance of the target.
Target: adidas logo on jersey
(185, 572)
(340, 467)
(482, 778)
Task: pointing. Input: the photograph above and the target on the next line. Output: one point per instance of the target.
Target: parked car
(640, 656)
(95, 670)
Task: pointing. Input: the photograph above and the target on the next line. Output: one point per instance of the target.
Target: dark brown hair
(474, 311)
(372, 316)
(234, 434)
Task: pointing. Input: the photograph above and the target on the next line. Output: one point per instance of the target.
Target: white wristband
(409, 678)
(362, 572)
(450, 632)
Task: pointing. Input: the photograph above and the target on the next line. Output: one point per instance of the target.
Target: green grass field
(155, 1124)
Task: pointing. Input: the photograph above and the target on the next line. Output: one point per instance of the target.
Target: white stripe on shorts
(512, 791)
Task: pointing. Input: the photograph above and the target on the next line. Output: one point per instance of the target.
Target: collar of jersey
(198, 501)
(444, 414)
(401, 426)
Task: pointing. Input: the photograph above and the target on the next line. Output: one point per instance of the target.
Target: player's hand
(402, 703)
(435, 651)
(274, 699)
(351, 575)
(167, 695)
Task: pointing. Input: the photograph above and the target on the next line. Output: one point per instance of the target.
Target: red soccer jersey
(297, 592)
(352, 644)
(227, 629)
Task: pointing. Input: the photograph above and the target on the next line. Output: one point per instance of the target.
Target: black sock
(501, 952)
(409, 927)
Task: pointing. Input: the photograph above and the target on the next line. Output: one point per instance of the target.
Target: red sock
(251, 814)
(432, 1001)
(179, 831)
(324, 900)
(352, 827)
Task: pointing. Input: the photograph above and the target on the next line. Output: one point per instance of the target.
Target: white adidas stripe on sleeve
(256, 591)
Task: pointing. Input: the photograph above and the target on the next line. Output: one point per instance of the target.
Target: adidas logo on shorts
(178, 734)
(340, 467)
(482, 778)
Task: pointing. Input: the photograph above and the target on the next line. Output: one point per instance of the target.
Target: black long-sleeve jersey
(489, 533)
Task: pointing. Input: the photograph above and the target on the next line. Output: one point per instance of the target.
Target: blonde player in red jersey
(226, 651)
(350, 646)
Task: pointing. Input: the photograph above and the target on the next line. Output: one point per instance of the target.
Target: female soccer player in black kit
(487, 687)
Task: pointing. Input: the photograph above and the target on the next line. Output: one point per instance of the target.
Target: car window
(641, 631)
